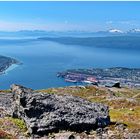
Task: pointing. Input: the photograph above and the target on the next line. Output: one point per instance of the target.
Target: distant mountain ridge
(43, 33)
(122, 42)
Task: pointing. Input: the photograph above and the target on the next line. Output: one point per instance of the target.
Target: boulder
(113, 84)
(44, 113)
(117, 85)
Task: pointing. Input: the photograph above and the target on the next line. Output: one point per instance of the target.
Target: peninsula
(5, 63)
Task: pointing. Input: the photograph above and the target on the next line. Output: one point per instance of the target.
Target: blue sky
(63, 16)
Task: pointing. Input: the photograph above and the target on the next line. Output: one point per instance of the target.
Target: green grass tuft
(20, 123)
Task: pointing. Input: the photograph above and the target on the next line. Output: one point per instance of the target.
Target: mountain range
(43, 33)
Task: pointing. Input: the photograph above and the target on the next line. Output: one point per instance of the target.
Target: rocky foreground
(71, 112)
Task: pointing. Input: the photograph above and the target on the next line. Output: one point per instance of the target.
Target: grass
(13, 127)
(20, 123)
(129, 117)
(5, 135)
(49, 91)
(5, 91)
(121, 108)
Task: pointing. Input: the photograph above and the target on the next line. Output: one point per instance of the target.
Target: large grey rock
(44, 113)
(5, 104)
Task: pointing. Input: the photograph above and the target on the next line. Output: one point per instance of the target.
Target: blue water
(43, 59)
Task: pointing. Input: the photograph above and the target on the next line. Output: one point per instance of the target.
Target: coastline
(10, 68)
(8, 65)
(108, 77)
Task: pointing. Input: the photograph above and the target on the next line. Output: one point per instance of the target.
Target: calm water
(43, 59)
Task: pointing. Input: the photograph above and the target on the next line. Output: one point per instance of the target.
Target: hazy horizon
(71, 15)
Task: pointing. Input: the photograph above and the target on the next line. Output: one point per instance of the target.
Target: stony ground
(124, 106)
(9, 127)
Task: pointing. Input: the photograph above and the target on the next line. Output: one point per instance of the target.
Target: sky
(69, 16)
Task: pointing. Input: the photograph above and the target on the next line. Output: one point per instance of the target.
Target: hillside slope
(124, 111)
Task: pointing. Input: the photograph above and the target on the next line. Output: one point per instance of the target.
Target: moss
(14, 127)
(20, 123)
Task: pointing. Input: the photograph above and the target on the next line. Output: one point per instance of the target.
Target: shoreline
(10, 68)
(8, 64)
(116, 76)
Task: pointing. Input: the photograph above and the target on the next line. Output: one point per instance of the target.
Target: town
(126, 77)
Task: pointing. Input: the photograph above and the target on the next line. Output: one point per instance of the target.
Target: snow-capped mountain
(134, 31)
(115, 31)
(41, 33)
(111, 32)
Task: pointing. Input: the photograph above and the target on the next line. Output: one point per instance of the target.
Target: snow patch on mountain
(115, 31)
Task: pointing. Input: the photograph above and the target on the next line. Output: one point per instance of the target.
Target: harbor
(126, 77)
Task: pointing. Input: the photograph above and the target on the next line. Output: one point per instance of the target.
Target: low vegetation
(5, 135)
(12, 128)
(123, 103)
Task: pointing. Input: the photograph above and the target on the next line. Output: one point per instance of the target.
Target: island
(129, 77)
(6, 62)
